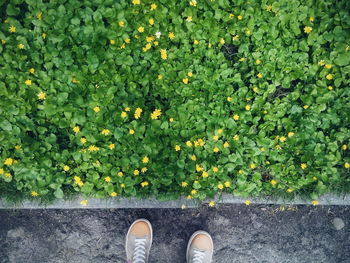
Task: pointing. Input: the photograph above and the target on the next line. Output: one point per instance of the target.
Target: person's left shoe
(138, 241)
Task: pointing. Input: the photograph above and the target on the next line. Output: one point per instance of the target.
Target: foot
(138, 241)
(200, 248)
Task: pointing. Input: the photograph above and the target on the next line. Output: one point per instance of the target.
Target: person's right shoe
(200, 248)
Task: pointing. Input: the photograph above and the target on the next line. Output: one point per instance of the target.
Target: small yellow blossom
(20, 46)
(211, 204)
(226, 144)
(216, 149)
(190, 74)
(314, 178)
(273, 182)
(120, 174)
(329, 77)
(105, 132)
(252, 166)
(330, 88)
(220, 186)
(184, 184)
(155, 114)
(114, 194)
(3, 41)
(314, 202)
(83, 140)
(145, 159)
(136, 2)
(347, 165)
(177, 148)
(227, 184)
(239, 17)
(248, 107)
(121, 23)
(222, 41)
(112, 41)
(282, 139)
(151, 21)
(76, 129)
(290, 134)
(229, 99)
(328, 66)
(321, 62)
(311, 19)
(41, 95)
(122, 185)
(189, 19)
(193, 3)
(236, 137)
(185, 80)
(262, 149)
(108, 179)
(189, 143)
(18, 147)
(111, 146)
(306, 106)
(127, 109)
(145, 183)
(307, 29)
(199, 168)
(9, 161)
(247, 202)
(205, 174)
(259, 75)
(242, 59)
(163, 54)
(2, 171)
(195, 42)
(193, 192)
(66, 168)
(93, 148)
(96, 109)
(160, 76)
(171, 35)
(12, 29)
(131, 131)
(28, 82)
(144, 169)
(33, 193)
(258, 61)
(189, 197)
(215, 169)
(344, 147)
(215, 137)
(236, 117)
(230, 16)
(289, 190)
(171, 119)
(303, 165)
(235, 37)
(141, 29)
(123, 114)
(136, 172)
(153, 7)
(31, 70)
(43, 35)
(193, 157)
(127, 40)
(240, 171)
(84, 202)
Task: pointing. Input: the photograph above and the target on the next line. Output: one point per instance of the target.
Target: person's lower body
(139, 241)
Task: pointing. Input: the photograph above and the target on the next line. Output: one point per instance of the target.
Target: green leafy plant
(174, 98)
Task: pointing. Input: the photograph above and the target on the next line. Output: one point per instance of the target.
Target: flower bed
(174, 98)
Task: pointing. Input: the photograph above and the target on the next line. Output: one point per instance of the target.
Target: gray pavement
(255, 233)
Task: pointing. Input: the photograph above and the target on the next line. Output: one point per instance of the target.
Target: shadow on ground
(261, 233)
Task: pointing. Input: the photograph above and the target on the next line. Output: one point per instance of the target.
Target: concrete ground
(255, 233)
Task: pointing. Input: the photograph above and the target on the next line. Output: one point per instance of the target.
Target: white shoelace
(140, 251)
(198, 256)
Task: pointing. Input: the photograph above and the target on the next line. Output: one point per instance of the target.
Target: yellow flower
(111, 146)
(193, 192)
(226, 144)
(76, 129)
(227, 184)
(184, 184)
(43, 35)
(108, 179)
(259, 75)
(160, 76)
(39, 15)
(127, 109)
(216, 149)
(153, 7)
(199, 168)
(144, 169)
(241, 59)
(121, 23)
(330, 88)
(127, 40)
(195, 42)
(247, 202)
(141, 29)
(273, 182)
(314, 202)
(248, 107)
(303, 165)
(105, 132)
(20, 46)
(3, 41)
(28, 82)
(189, 197)
(84, 202)
(2, 171)
(83, 140)
(282, 139)
(344, 147)
(328, 66)
(145, 159)
(321, 62)
(93, 148)
(235, 37)
(240, 171)
(252, 166)
(290, 134)
(151, 21)
(123, 114)
(307, 29)
(171, 35)
(230, 16)
(12, 29)
(215, 169)
(278, 147)
(329, 77)
(347, 165)
(205, 174)
(239, 17)
(31, 70)
(112, 41)
(171, 119)
(222, 41)
(9, 161)
(120, 174)
(163, 54)
(155, 114)
(7, 175)
(136, 172)
(177, 148)
(236, 117)
(236, 137)
(41, 95)
(211, 203)
(215, 137)
(189, 143)
(189, 19)
(114, 194)
(314, 178)
(193, 3)
(145, 183)
(289, 190)
(311, 19)
(258, 61)
(193, 157)
(229, 99)
(185, 80)
(190, 74)
(66, 168)
(18, 147)
(122, 185)
(33, 193)
(131, 131)
(220, 186)
(136, 2)
(96, 109)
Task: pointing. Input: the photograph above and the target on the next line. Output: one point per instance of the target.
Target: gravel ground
(255, 233)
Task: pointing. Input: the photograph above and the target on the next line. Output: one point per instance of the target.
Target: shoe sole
(193, 236)
(151, 230)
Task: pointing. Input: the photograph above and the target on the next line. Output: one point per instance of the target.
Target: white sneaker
(138, 241)
(200, 248)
